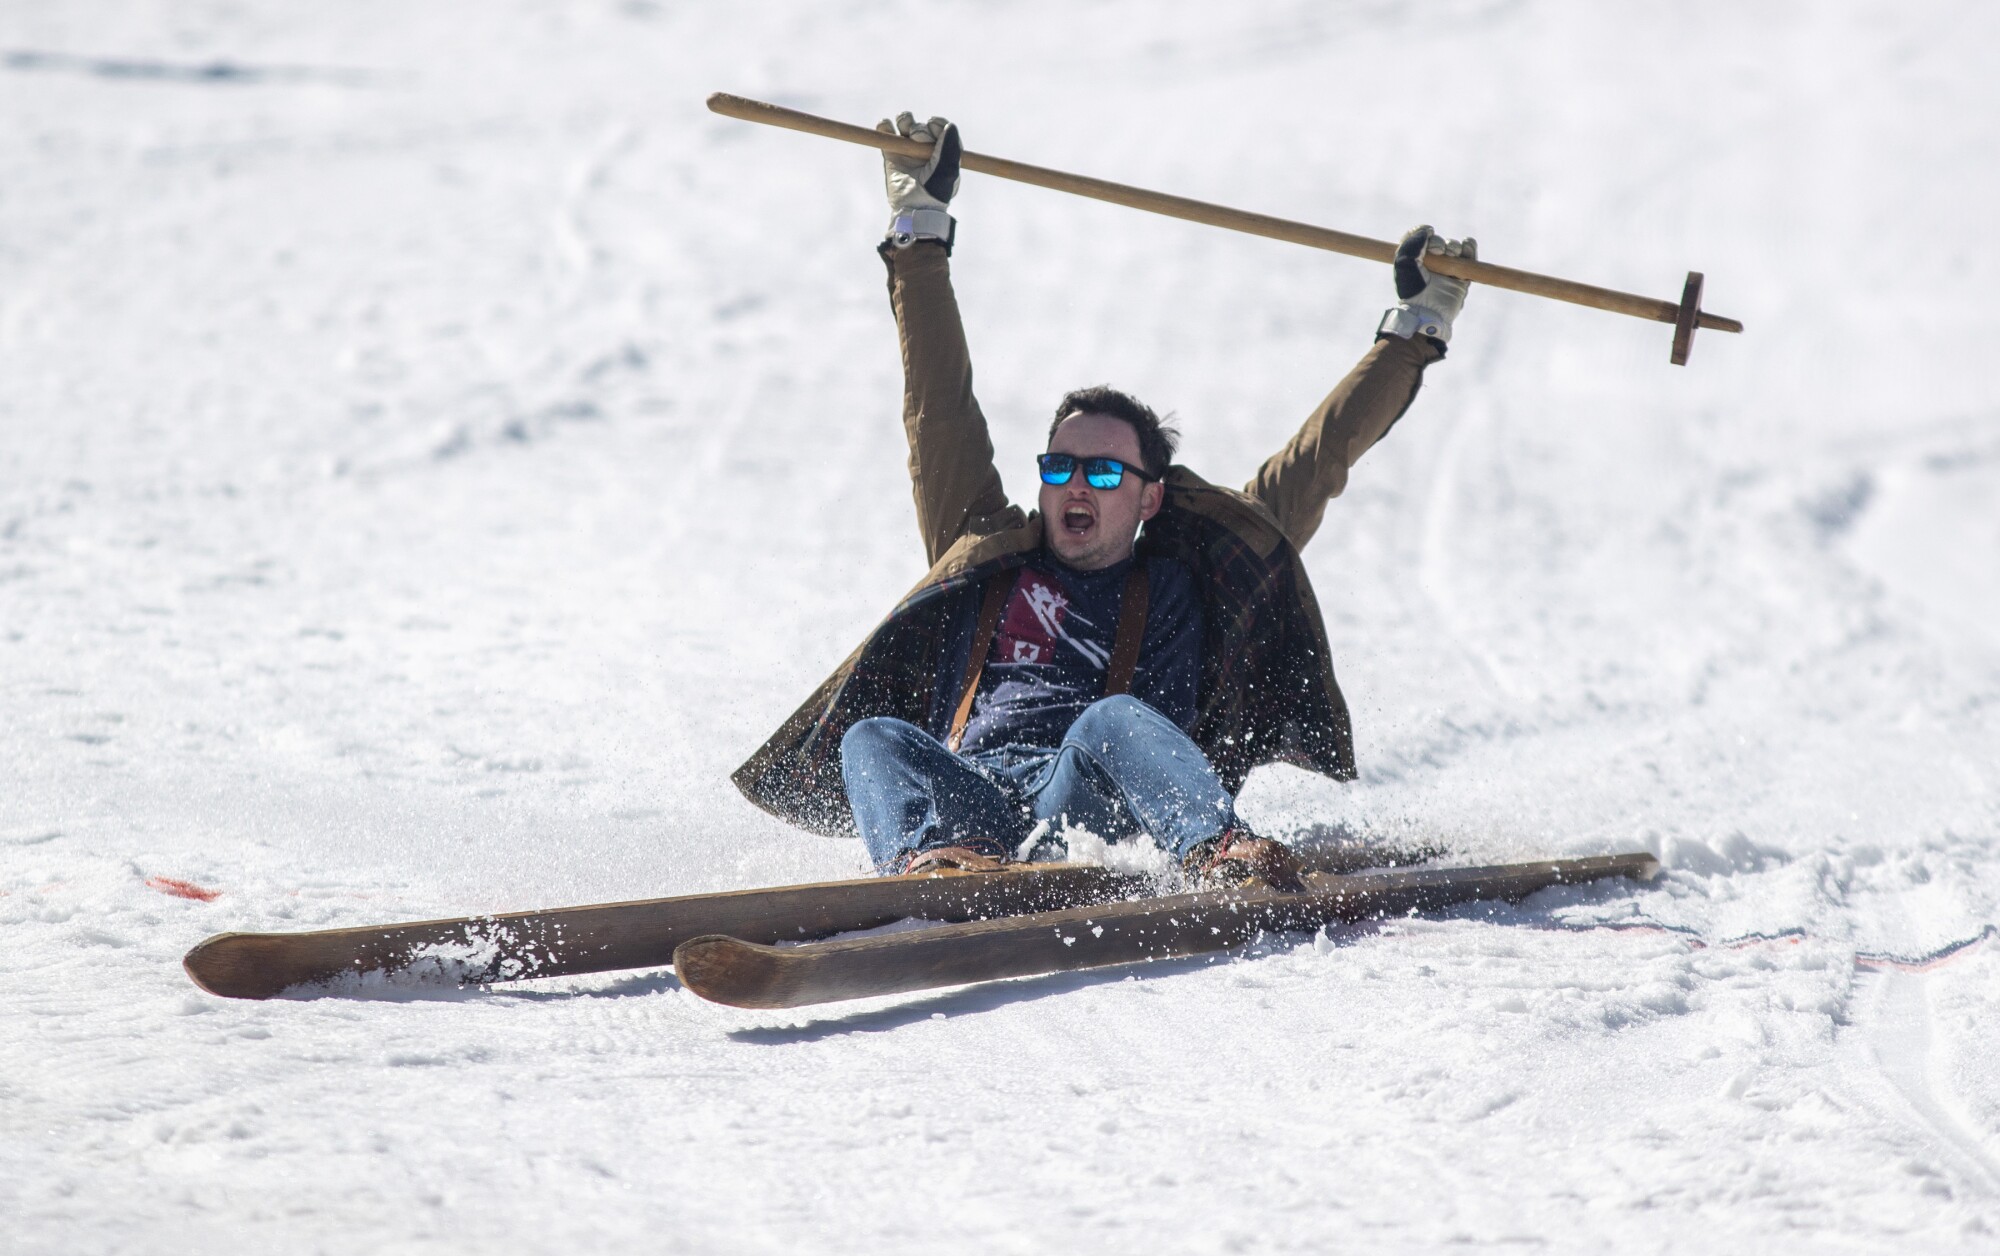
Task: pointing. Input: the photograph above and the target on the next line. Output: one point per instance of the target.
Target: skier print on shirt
(1052, 651)
(1037, 619)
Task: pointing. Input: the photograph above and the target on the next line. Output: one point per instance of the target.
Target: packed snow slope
(434, 451)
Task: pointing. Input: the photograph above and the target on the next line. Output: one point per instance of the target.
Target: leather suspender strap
(1131, 631)
(1132, 605)
(998, 586)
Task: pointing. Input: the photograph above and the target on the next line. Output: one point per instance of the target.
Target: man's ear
(1151, 498)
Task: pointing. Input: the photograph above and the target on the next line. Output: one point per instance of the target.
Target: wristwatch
(1404, 321)
(913, 225)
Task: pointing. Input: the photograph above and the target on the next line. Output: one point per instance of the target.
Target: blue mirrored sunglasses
(1097, 472)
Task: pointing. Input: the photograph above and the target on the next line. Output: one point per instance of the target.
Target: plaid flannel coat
(1267, 690)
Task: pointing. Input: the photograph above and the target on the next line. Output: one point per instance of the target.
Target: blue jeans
(1123, 768)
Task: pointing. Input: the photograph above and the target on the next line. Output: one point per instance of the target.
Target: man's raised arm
(952, 475)
(1297, 482)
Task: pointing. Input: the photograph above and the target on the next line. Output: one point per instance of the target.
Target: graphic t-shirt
(1053, 647)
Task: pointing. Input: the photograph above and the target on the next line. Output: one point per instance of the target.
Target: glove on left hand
(1430, 301)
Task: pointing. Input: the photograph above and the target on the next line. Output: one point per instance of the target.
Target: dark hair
(1158, 438)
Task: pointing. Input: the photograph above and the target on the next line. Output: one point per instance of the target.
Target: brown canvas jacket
(1267, 691)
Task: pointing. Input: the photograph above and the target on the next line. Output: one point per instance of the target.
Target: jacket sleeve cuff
(1431, 342)
(1419, 351)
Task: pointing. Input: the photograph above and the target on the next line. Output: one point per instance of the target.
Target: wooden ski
(641, 934)
(746, 973)
(565, 941)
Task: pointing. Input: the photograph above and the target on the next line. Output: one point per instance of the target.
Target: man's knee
(1118, 715)
(869, 740)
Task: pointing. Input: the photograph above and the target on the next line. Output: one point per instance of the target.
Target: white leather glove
(919, 189)
(1429, 301)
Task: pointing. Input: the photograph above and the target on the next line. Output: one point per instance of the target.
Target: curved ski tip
(729, 970)
(216, 965)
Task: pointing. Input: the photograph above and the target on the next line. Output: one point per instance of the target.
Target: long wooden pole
(1222, 216)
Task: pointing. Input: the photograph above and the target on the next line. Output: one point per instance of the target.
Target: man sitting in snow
(1063, 669)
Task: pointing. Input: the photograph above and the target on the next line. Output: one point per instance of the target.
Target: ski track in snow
(1900, 1032)
(434, 451)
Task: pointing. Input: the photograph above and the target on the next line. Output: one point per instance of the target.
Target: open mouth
(1077, 520)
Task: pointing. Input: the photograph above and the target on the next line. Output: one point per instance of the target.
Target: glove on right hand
(915, 184)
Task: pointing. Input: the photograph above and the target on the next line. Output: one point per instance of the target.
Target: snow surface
(434, 450)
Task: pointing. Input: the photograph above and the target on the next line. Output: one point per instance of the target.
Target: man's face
(1092, 528)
